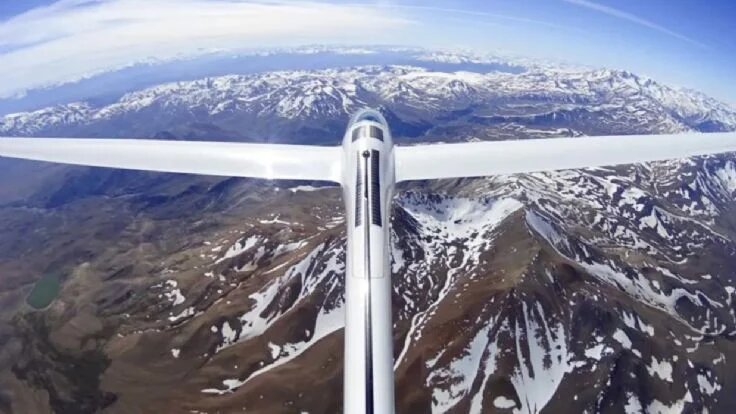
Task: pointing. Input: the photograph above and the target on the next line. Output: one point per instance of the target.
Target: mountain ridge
(598, 290)
(335, 93)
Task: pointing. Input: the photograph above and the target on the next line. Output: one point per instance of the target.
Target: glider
(367, 165)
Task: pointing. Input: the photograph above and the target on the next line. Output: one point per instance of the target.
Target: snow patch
(275, 350)
(597, 351)
(229, 336)
(183, 314)
(241, 246)
(661, 369)
(676, 407)
(503, 402)
(706, 386)
(633, 321)
(621, 337)
(307, 188)
(536, 379)
(633, 405)
(452, 383)
(327, 322)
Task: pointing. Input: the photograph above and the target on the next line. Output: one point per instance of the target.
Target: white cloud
(620, 14)
(477, 13)
(73, 39)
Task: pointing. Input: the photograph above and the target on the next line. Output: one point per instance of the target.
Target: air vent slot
(358, 192)
(376, 132)
(375, 189)
(356, 134)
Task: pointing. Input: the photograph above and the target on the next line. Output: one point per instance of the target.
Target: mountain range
(599, 290)
(304, 106)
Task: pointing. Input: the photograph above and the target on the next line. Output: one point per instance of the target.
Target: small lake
(44, 291)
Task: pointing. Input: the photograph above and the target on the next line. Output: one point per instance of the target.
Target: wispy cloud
(634, 19)
(466, 12)
(72, 39)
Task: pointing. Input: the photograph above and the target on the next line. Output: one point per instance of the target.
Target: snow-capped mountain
(599, 290)
(281, 105)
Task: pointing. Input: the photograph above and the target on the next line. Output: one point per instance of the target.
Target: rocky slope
(600, 291)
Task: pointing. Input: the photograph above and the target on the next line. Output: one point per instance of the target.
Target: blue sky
(687, 43)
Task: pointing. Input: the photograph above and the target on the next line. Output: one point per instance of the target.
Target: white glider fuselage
(368, 184)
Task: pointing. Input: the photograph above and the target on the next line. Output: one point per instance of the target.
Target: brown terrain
(603, 290)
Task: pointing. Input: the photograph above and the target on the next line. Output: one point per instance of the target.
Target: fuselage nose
(368, 164)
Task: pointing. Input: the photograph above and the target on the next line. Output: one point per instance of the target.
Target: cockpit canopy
(368, 114)
(368, 123)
